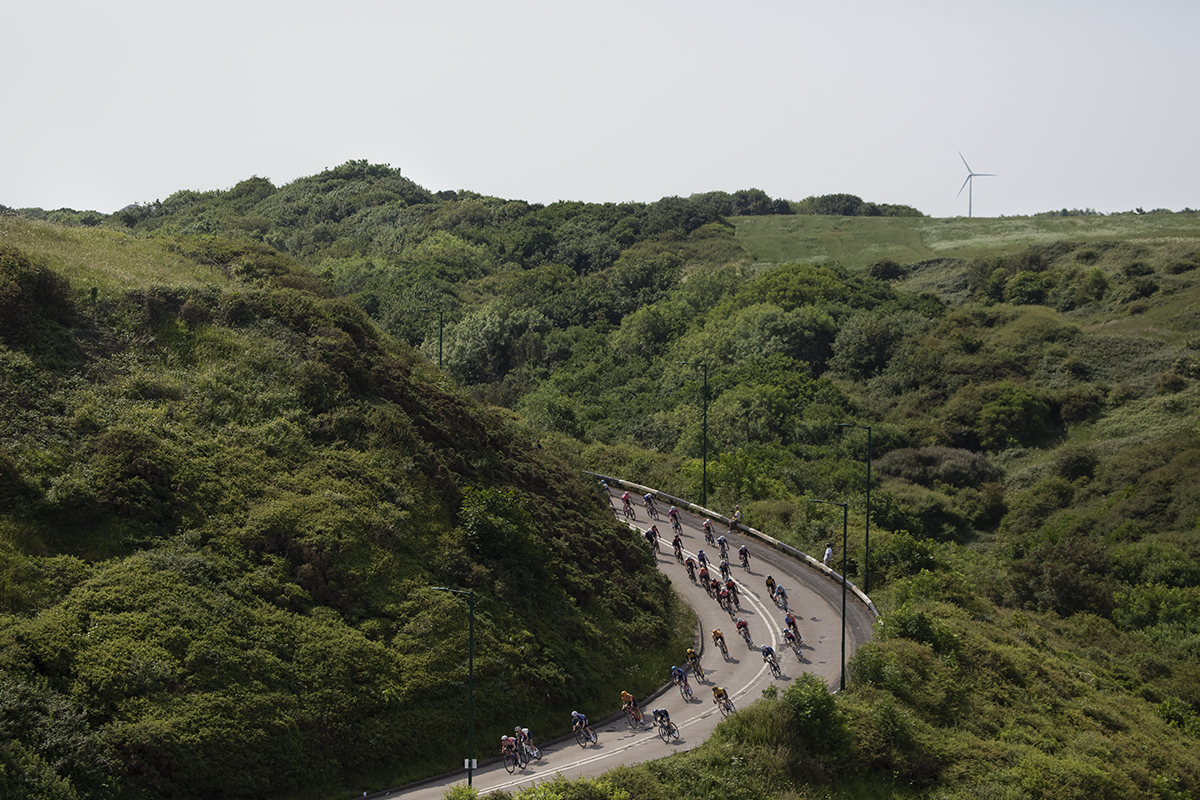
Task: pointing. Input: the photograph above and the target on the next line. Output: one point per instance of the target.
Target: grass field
(106, 259)
(857, 242)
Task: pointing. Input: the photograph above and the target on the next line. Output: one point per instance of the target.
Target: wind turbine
(969, 182)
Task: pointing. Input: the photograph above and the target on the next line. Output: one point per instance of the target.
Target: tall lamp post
(867, 552)
(704, 451)
(470, 761)
(440, 314)
(845, 525)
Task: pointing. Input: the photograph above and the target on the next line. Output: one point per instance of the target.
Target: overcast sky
(1078, 103)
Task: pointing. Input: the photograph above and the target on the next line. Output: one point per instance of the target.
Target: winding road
(815, 596)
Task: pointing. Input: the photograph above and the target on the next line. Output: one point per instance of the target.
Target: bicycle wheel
(682, 689)
(775, 669)
(724, 649)
(726, 708)
(664, 732)
(581, 738)
(674, 731)
(510, 763)
(699, 670)
(535, 752)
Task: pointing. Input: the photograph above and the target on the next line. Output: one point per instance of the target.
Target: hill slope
(223, 510)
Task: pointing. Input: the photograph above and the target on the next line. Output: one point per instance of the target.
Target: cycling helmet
(503, 738)
(517, 729)
(770, 577)
(574, 713)
(740, 620)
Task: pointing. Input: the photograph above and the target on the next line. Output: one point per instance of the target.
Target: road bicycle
(530, 752)
(726, 706)
(512, 761)
(652, 511)
(679, 554)
(675, 524)
(708, 536)
(724, 649)
(694, 663)
(745, 557)
(685, 689)
(746, 635)
(774, 665)
(796, 649)
(667, 730)
(581, 736)
(633, 717)
(630, 512)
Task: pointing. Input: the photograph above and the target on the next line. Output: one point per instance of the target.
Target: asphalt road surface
(814, 596)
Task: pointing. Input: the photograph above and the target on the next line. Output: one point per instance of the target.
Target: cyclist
(708, 534)
(718, 638)
(648, 499)
(714, 587)
(723, 597)
(724, 569)
(722, 545)
(781, 596)
(743, 628)
(693, 659)
(744, 555)
(662, 717)
(522, 736)
(677, 543)
(678, 676)
(719, 694)
(768, 654)
(771, 586)
(702, 558)
(626, 504)
(580, 720)
(790, 638)
(629, 703)
(704, 576)
(789, 619)
(509, 745)
(673, 515)
(733, 592)
(691, 567)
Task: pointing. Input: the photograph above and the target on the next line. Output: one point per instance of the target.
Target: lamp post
(440, 314)
(867, 551)
(704, 450)
(470, 762)
(845, 525)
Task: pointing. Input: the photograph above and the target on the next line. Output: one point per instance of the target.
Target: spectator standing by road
(828, 553)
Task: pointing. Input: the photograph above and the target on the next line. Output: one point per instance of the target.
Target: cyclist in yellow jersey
(719, 694)
(718, 637)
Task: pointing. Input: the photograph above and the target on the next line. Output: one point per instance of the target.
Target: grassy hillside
(226, 497)
(858, 242)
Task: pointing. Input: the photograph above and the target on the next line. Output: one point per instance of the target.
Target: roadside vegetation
(262, 426)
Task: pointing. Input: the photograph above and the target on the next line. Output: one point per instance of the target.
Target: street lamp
(704, 451)
(867, 553)
(470, 762)
(440, 314)
(845, 524)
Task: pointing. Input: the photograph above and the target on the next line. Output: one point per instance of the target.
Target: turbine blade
(968, 180)
(965, 164)
(985, 174)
